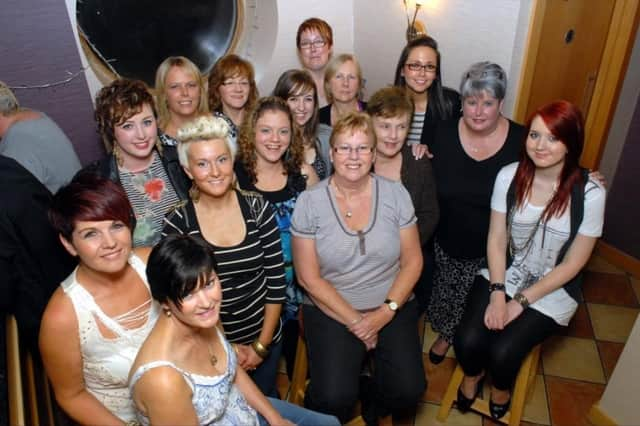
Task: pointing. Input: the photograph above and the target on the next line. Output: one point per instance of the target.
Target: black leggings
(501, 352)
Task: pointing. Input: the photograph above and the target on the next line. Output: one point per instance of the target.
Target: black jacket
(32, 260)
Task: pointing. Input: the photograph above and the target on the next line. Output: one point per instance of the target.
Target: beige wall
(622, 394)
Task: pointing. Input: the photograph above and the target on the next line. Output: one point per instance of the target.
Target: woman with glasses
(418, 71)
(180, 96)
(357, 254)
(232, 91)
(297, 88)
(315, 46)
(343, 86)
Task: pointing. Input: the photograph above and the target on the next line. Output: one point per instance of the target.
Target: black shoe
(499, 410)
(435, 358)
(464, 403)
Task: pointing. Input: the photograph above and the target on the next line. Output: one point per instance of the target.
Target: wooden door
(570, 49)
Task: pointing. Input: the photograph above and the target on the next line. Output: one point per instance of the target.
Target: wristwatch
(392, 304)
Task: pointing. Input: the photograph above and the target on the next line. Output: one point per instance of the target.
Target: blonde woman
(342, 85)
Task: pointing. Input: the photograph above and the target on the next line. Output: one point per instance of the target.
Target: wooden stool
(30, 399)
(523, 384)
(299, 380)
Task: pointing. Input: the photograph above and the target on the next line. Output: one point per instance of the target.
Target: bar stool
(524, 381)
(299, 380)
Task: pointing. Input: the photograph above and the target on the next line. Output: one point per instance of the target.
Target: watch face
(393, 306)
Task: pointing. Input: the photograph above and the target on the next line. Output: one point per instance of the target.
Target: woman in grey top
(357, 254)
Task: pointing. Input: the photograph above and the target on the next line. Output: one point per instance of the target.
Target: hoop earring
(194, 192)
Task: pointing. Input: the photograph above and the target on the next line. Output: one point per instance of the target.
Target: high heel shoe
(434, 357)
(499, 410)
(464, 403)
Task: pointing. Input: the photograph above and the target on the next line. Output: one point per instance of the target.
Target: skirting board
(598, 417)
(618, 258)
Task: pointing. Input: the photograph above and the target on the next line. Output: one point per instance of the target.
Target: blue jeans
(299, 416)
(265, 375)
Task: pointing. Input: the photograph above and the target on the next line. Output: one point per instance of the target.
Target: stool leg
(450, 394)
(299, 376)
(522, 383)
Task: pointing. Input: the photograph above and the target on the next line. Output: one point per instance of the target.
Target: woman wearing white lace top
(97, 320)
(186, 372)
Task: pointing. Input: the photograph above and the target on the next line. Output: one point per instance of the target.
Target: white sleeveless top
(216, 399)
(106, 361)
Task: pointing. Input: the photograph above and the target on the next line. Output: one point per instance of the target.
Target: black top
(324, 113)
(32, 260)
(432, 117)
(464, 188)
(251, 272)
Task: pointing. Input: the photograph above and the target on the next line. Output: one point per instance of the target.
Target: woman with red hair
(546, 215)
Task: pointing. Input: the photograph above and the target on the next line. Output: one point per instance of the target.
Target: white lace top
(216, 399)
(106, 361)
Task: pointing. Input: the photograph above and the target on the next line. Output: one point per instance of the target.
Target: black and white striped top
(415, 131)
(252, 272)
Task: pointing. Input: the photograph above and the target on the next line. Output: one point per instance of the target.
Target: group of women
(266, 211)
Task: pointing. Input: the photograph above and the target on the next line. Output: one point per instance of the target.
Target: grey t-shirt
(41, 147)
(362, 267)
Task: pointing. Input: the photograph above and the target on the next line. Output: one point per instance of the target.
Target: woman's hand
(514, 309)
(371, 323)
(420, 150)
(248, 359)
(495, 316)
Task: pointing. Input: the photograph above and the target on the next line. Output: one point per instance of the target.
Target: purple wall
(36, 47)
(621, 228)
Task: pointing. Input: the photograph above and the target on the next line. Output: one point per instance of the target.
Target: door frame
(613, 67)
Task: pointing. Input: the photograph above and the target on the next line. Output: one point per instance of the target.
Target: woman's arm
(165, 397)
(60, 350)
(257, 400)
(251, 359)
(577, 256)
(327, 298)
(495, 316)
(400, 291)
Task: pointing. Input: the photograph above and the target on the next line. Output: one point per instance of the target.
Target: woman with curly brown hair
(271, 162)
(149, 173)
(232, 91)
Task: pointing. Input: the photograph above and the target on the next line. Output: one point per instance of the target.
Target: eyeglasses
(307, 44)
(241, 83)
(348, 149)
(416, 66)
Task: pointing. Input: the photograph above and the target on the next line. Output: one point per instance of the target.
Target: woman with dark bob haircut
(149, 173)
(97, 320)
(546, 216)
(186, 371)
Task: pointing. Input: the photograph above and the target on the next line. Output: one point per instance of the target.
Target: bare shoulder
(163, 381)
(59, 314)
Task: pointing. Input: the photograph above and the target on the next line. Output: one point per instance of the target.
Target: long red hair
(564, 121)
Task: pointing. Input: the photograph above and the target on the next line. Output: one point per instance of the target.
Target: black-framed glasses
(348, 149)
(417, 66)
(317, 43)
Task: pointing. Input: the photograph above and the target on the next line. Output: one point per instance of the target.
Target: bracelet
(260, 349)
(521, 299)
(496, 287)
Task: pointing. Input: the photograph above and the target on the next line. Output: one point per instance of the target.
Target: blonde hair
(332, 69)
(160, 89)
(351, 123)
(203, 128)
(9, 105)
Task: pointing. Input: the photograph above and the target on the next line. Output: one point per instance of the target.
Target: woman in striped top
(418, 71)
(241, 230)
(149, 173)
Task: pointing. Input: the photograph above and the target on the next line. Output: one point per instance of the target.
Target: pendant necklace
(213, 359)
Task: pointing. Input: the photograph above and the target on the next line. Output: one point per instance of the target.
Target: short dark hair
(177, 266)
(89, 197)
(316, 24)
(116, 103)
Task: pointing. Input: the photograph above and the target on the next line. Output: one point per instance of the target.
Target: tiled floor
(574, 367)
